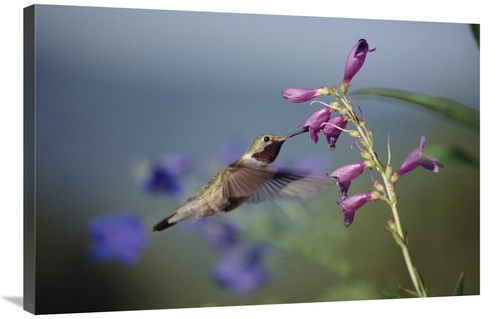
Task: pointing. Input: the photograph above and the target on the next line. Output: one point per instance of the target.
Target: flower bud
(366, 155)
(392, 225)
(362, 123)
(335, 106)
(299, 95)
(353, 133)
(354, 63)
(379, 187)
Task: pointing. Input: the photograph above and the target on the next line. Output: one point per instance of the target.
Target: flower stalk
(388, 195)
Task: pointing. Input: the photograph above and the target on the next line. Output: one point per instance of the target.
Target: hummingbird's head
(266, 147)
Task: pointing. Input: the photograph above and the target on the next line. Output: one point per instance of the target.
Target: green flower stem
(415, 277)
(390, 197)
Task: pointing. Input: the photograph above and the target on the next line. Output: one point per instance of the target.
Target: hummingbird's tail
(164, 223)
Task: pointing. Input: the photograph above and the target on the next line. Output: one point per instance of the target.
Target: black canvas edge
(29, 225)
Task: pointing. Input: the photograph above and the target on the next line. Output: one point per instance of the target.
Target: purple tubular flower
(354, 63)
(333, 129)
(315, 121)
(218, 233)
(343, 188)
(121, 236)
(416, 158)
(240, 270)
(352, 203)
(299, 95)
(346, 174)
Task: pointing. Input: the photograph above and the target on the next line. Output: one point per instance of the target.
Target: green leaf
(459, 288)
(448, 154)
(474, 28)
(451, 109)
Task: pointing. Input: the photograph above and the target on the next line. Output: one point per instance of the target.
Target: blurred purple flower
(346, 174)
(163, 177)
(354, 63)
(333, 128)
(416, 158)
(352, 203)
(119, 235)
(219, 233)
(159, 179)
(315, 121)
(299, 95)
(240, 269)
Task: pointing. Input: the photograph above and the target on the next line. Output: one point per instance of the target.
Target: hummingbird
(249, 179)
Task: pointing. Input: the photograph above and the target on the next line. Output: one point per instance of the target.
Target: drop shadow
(18, 301)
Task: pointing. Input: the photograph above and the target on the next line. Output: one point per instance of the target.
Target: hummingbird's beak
(296, 133)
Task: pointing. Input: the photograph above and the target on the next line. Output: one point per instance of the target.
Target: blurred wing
(262, 185)
(243, 180)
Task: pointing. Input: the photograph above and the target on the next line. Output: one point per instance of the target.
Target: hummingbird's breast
(216, 202)
(208, 201)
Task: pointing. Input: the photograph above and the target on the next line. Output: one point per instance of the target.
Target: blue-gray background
(115, 87)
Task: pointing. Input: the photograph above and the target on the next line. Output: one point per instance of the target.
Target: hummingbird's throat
(268, 154)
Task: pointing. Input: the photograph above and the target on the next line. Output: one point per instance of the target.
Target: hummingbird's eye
(266, 139)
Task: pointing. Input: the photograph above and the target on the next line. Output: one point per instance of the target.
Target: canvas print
(193, 159)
